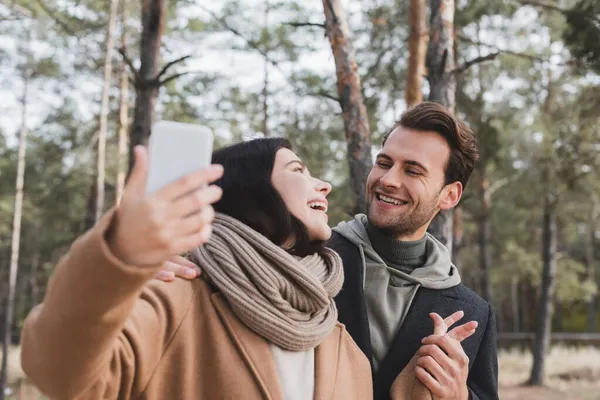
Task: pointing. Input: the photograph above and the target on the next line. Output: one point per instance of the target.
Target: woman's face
(304, 196)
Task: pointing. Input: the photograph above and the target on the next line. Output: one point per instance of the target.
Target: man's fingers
(435, 370)
(449, 345)
(463, 331)
(439, 326)
(164, 275)
(437, 354)
(189, 183)
(428, 380)
(181, 271)
(454, 318)
(185, 262)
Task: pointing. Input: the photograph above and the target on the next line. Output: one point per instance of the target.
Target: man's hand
(178, 266)
(442, 365)
(150, 229)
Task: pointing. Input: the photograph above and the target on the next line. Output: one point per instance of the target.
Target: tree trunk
(153, 20)
(16, 232)
(123, 117)
(442, 87)
(457, 236)
(514, 302)
(104, 110)
(544, 318)
(265, 92)
(356, 123)
(591, 265)
(485, 233)
(417, 48)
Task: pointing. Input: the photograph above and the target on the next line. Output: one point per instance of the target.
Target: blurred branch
(253, 45)
(52, 14)
(468, 64)
(170, 78)
(301, 24)
(376, 64)
(322, 93)
(553, 7)
(170, 64)
(237, 33)
(129, 63)
(544, 5)
(509, 52)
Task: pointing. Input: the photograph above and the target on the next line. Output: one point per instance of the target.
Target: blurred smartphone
(177, 149)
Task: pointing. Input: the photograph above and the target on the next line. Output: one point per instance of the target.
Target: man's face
(406, 186)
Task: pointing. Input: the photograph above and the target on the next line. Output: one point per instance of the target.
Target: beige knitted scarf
(285, 299)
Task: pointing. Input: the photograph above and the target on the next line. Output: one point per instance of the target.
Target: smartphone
(177, 149)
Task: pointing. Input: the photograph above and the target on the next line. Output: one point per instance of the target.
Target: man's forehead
(428, 148)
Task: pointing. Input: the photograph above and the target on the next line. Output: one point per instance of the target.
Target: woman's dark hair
(249, 195)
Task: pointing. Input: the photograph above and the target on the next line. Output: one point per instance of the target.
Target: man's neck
(404, 255)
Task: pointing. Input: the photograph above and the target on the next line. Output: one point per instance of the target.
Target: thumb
(439, 326)
(136, 184)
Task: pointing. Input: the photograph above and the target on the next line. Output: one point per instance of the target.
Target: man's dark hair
(433, 117)
(249, 195)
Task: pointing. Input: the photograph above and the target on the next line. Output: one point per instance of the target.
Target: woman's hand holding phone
(149, 229)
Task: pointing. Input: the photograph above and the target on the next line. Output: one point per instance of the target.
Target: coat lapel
(326, 364)
(350, 301)
(254, 350)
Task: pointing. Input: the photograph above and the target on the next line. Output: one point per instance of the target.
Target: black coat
(480, 348)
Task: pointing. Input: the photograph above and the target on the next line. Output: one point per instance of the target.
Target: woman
(259, 323)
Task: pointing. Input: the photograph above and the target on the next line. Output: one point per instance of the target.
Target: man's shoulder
(469, 298)
(338, 243)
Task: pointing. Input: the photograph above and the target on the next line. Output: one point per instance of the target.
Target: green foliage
(582, 34)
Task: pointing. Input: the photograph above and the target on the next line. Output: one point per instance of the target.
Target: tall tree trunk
(442, 85)
(457, 236)
(544, 318)
(123, 116)
(514, 302)
(417, 48)
(485, 233)
(153, 20)
(16, 232)
(356, 123)
(265, 92)
(104, 110)
(591, 264)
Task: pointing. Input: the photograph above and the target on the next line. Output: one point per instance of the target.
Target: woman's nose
(323, 187)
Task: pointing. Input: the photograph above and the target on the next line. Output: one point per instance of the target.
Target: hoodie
(389, 287)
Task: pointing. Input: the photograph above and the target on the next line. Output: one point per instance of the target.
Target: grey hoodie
(390, 292)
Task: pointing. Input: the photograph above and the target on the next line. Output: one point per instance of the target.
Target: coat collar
(258, 357)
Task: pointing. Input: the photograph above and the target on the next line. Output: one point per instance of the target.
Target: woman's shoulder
(176, 296)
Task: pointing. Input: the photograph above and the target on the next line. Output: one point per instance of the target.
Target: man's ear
(451, 196)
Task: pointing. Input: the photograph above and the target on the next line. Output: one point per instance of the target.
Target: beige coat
(104, 332)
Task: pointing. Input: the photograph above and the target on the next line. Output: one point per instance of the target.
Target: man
(396, 274)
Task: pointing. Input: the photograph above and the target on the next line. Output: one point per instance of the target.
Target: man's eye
(412, 172)
(382, 164)
(298, 169)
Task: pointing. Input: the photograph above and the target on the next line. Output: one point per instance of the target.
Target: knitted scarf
(285, 299)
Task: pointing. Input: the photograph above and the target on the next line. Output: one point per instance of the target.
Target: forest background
(82, 80)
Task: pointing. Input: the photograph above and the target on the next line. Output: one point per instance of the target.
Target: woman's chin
(320, 234)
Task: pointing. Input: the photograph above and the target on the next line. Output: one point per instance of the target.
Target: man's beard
(405, 224)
